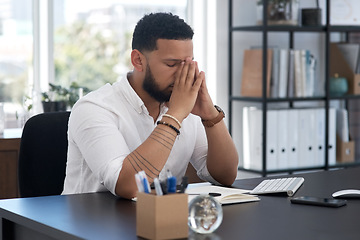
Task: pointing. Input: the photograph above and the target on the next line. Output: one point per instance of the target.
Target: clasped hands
(190, 94)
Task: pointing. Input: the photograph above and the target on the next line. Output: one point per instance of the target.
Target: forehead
(174, 49)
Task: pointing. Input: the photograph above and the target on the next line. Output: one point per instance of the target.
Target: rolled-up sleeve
(95, 132)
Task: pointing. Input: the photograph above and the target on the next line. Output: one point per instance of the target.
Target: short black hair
(156, 26)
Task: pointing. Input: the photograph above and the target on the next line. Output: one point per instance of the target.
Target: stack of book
(290, 73)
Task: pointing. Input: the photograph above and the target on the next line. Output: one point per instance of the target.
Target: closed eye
(171, 65)
(173, 62)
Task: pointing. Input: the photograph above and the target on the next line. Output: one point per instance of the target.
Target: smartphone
(327, 202)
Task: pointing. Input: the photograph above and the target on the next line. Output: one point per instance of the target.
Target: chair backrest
(43, 154)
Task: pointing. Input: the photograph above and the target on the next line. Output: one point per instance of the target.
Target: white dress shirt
(108, 124)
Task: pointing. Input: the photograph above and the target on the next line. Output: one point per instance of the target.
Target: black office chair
(43, 154)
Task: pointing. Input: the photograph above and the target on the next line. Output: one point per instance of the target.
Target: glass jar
(205, 214)
(338, 85)
(279, 12)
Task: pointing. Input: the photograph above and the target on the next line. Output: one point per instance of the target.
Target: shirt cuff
(110, 174)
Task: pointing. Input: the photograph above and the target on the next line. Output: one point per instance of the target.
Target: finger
(178, 73)
(199, 81)
(197, 72)
(190, 78)
(184, 72)
(202, 75)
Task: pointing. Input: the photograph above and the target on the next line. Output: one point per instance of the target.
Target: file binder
(282, 140)
(272, 149)
(311, 153)
(252, 139)
(252, 135)
(332, 137)
(306, 137)
(246, 138)
(320, 137)
(292, 138)
(295, 138)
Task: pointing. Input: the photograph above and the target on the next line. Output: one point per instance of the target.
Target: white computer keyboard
(287, 185)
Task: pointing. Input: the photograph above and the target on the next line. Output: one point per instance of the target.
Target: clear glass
(205, 214)
(92, 40)
(16, 50)
(279, 12)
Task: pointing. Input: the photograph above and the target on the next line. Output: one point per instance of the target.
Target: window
(16, 48)
(92, 41)
(65, 42)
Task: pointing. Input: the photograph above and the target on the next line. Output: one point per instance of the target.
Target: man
(159, 117)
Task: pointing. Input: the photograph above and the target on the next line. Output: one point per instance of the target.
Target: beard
(153, 89)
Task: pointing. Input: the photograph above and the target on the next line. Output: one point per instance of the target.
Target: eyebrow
(175, 60)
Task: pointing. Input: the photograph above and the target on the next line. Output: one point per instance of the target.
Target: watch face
(219, 109)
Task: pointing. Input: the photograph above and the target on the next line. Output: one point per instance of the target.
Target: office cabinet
(9, 153)
(263, 101)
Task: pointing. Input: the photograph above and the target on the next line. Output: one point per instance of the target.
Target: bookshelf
(264, 101)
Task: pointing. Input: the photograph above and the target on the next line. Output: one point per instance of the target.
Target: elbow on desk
(127, 193)
(229, 180)
(226, 178)
(225, 175)
(125, 189)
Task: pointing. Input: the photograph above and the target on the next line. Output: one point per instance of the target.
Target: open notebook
(228, 195)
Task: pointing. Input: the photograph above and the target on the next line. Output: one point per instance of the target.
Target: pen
(163, 185)
(157, 187)
(171, 184)
(139, 184)
(212, 194)
(184, 184)
(168, 173)
(146, 183)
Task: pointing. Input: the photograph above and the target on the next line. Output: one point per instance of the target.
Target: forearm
(150, 156)
(222, 159)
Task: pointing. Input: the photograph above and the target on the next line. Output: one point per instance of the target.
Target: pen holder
(162, 217)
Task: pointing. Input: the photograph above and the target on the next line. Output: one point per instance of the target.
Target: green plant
(68, 95)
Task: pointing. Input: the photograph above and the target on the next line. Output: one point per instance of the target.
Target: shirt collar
(131, 96)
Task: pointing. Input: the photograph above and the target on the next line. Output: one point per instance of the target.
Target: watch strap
(217, 119)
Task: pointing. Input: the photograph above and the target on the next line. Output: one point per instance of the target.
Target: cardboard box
(162, 217)
(339, 65)
(345, 151)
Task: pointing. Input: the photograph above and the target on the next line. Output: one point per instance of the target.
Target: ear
(138, 60)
